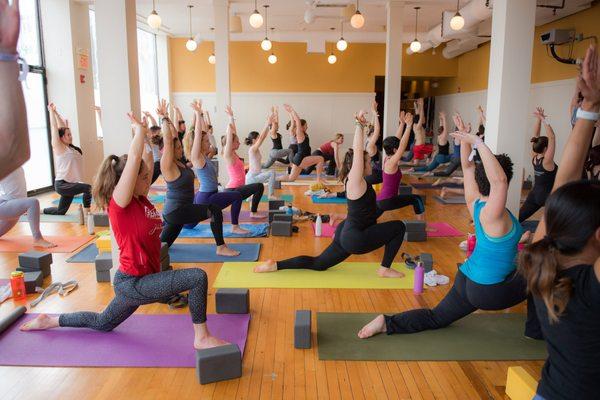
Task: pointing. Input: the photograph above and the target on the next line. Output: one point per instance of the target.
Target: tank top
(69, 165)
(494, 258)
(543, 179)
(180, 191)
(13, 186)
(391, 183)
(362, 212)
(304, 147)
(443, 149)
(327, 149)
(277, 142)
(237, 175)
(207, 177)
(254, 161)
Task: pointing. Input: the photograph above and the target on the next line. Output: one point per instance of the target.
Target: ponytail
(252, 136)
(107, 178)
(188, 142)
(346, 165)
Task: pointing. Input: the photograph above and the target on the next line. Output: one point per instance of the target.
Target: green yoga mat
(347, 275)
(476, 337)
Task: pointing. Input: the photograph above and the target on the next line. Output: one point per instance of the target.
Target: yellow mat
(347, 275)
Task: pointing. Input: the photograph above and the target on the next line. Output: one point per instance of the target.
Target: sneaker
(430, 278)
(463, 245)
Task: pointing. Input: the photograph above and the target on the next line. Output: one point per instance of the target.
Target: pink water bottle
(471, 241)
(419, 277)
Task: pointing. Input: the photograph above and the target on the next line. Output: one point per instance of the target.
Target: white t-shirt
(13, 186)
(69, 166)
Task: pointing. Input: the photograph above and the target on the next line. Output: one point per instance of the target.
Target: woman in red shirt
(121, 186)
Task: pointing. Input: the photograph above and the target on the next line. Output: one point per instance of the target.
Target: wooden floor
(272, 368)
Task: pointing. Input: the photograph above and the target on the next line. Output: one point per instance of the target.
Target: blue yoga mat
(329, 200)
(203, 231)
(284, 197)
(87, 255)
(154, 198)
(76, 200)
(197, 253)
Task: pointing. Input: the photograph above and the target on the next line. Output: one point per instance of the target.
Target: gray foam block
(415, 225)
(45, 269)
(101, 219)
(102, 276)
(165, 264)
(14, 315)
(302, 329)
(103, 262)
(232, 301)
(275, 204)
(33, 280)
(35, 261)
(273, 213)
(415, 236)
(405, 189)
(164, 250)
(218, 364)
(281, 228)
(283, 217)
(427, 260)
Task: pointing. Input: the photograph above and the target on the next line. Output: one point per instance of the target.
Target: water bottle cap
(17, 274)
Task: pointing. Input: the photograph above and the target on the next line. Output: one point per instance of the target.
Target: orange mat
(21, 244)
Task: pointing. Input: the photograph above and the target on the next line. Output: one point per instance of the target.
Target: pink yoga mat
(159, 340)
(22, 243)
(326, 230)
(442, 229)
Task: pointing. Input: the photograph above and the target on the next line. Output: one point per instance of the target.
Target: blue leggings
(437, 160)
(221, 200)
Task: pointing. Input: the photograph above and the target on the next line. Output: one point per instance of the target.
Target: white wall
(554, 97)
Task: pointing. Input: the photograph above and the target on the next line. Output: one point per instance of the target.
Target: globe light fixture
(212, 59)
(266, 43)
(272, 58)
(341, 43)
(255, 20)
(357, 21)
(415, 45)
(457, 22)
(154, 19)
(332, 58)
(191, 44)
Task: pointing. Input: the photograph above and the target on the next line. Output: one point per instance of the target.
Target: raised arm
(57, 144)
(269, 127)
(468, 166)
(168, 166)
(300, 135)
(443, 136)
(150, 118)
(401, 125)
(395, 159)
(207, 120)
(275, 124)
(228, 150)
(356, 184)
(179, 118)
(548, 162)
(421, 113)
(197, 157)
(481, 113)
(372, 145)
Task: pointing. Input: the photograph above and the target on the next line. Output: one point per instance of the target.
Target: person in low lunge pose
(359, 233)
(121, 186)
(254, 140)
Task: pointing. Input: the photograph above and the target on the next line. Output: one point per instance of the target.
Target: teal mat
(328, 200)
(204, 231)
(285, 197)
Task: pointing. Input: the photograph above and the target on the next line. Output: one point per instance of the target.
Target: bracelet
(588, 115)
(7, 57)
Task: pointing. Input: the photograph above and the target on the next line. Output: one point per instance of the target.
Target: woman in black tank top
(544, 166)
(278, 153)
(359, 233)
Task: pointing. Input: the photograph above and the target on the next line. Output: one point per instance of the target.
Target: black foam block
(218, 364)
(275, 204)
(283, 217)
(302, 329)
(101, 219)
(232, 301)
(103, 262)
(35, 261)
(415, 236)
(102, 276)
(281, 228)
(32, 280)
(415, 225)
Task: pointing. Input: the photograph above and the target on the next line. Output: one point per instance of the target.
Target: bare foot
(208, 342)
(389, 273)
(410, 170)
(257, 215)
(443, 193)
(373, 328)
(420, 217)
(40, 323)
(240, 231)
(438, 182)
(268, 266)
(43, 243)
(226, 251)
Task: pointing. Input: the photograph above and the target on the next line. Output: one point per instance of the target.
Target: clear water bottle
(90, 223)
(80, 214)
(318, 226)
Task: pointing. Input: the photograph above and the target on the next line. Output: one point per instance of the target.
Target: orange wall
(295, 70)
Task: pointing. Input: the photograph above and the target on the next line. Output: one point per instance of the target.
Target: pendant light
(415, 45)
(357, 21)
(256, 20)
(191, 44)
(331, 59)
(154, 19)
(212, 59)
(342, 44)
(266, 43)
(457, 22)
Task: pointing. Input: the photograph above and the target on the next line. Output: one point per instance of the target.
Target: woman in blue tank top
(488, 279)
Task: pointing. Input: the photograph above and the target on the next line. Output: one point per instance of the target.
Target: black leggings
(348, 241)
(67, 191)
(134, 291)
(155, 171)
(255, 190)
(535, 200)
(450, 168)
(464, 298)
(402, 200)
(329, 159)
(192, 214)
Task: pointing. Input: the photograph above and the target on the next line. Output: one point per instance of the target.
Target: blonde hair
(339, 136)
(107, 178)
(188, 142)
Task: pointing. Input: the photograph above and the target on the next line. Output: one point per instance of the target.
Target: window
(94, 57)
(39, 168)
(148, 70)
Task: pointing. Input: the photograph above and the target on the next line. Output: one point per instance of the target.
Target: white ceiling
(287, 17)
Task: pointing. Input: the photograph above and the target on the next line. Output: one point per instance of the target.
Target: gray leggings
(11, 210)
(134, 291)
(276, 154)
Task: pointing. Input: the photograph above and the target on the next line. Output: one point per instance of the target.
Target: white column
(164, 73)
(223, 90)
(393, 66)
(118, 74)
(509, 82)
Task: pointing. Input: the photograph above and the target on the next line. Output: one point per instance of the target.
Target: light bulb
(212, 59)
(256, 20)
(357, 21)
(341, 44)
(331, 59)
(266, 44)
(191, 45)
(415, 46)
(272, 58)
(154, 20)
(457, 22)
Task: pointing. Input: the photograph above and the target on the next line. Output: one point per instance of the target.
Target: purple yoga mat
(143, 340)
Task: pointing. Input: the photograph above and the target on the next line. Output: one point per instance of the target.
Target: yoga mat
(285, 197)
(430, 185)
(198, 253)
(530, 225)
(141, 341)
(244, 217)
(203, 231)
(475, 337)
(21, 243)
(52, 218)
(443, 229)
(451, 200)
(328, 200)
(307, 183)
(76, 200)
(314, 175)
(326, 230)
(154, 198)
(347, 275)
(86, 255)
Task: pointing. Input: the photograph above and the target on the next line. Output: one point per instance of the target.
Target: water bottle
(318, 226)
(17, 285)
(419, 277)
(289, 210)
(471, 241)
(80, 214)
(90, 223)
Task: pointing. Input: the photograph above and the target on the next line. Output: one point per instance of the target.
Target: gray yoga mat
(451, 200)
(52, 218)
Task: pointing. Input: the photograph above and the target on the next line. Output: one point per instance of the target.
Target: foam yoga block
(283, 217)
(101, 219)
(35, 261)
(415, 225)
(275, 204)
(281, 228)
(33, 280)
(218, 364)
(232, 301)
(273, 213)
(405, 189)
(519, 384)
(103, 244)
(302, 329)
(14, 315)
(427, 260)
(103, 262)
(415, 236)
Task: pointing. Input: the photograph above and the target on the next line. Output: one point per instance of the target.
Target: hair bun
(534, 139)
